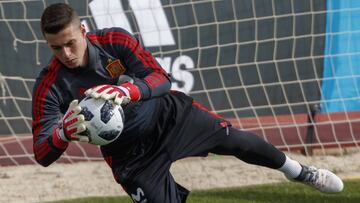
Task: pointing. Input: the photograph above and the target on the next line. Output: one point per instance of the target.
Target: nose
(66, 52)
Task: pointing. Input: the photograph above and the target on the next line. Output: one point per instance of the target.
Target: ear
(83, 29)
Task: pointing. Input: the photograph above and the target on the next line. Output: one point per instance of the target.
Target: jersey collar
(93, 55)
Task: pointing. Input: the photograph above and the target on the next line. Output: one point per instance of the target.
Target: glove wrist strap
(63, 136)
(132, 90)
(57, 140)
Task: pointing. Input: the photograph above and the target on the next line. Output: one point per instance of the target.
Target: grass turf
(271, 193)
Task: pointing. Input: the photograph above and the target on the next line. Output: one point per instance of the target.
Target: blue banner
(340, 87)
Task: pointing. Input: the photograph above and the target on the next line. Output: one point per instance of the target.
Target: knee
(246, 141)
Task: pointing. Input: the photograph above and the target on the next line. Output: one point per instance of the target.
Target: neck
(85, 59)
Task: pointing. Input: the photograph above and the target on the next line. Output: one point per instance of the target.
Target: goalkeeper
(161, 126)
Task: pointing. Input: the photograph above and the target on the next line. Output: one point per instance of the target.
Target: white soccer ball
(104, 120)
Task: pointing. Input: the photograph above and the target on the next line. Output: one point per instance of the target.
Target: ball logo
(95, 125)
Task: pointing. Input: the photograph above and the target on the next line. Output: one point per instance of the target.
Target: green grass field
(274, 193)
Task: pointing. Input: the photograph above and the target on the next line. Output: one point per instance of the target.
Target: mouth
(71, 61)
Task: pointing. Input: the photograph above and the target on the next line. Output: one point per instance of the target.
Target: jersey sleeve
(153, 80)
(45, 118)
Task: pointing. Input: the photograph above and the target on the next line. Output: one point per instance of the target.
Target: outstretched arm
(151, 80)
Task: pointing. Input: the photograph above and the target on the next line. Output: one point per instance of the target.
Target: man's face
(69, 46)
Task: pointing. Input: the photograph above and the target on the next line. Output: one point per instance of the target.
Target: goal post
(286, 70)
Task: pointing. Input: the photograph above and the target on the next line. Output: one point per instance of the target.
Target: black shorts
(183, 129)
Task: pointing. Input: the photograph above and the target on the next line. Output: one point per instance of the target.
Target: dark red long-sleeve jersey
(112, 52)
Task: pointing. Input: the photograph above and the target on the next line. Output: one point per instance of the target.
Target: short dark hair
(56, 17)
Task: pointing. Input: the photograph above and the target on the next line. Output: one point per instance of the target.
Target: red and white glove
(72, 124)
(121, 95)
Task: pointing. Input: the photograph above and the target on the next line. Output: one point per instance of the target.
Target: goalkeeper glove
(121, 95)
(72, 124)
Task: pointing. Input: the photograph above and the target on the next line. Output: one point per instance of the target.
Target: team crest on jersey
(115, 68)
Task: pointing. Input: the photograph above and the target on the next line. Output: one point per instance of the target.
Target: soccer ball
(104, 120)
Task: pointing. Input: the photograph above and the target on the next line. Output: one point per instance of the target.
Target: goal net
(286, 70)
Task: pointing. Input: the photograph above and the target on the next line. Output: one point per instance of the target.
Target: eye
(56, 48)
(71, 43)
